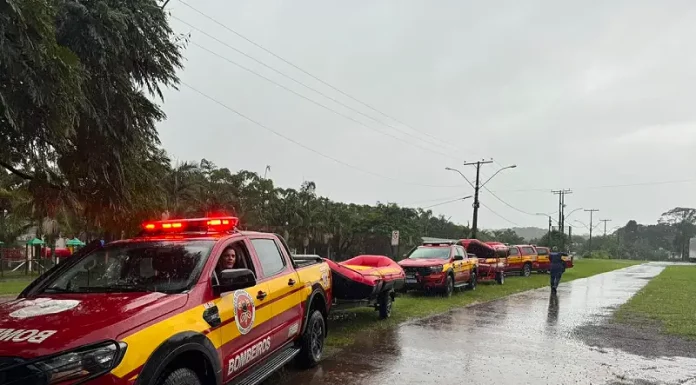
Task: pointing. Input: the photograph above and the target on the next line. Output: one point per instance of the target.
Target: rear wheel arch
(316, 301)
(190, 350)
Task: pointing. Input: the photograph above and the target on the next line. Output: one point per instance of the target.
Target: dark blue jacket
(557, 262)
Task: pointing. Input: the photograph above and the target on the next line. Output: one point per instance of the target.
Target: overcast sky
(578, 94)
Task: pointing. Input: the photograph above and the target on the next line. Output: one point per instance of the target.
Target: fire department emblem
(244, 311)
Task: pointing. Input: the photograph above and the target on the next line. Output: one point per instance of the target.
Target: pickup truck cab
(187, 302)
(439, 267)
(543, 263)
(521, 259)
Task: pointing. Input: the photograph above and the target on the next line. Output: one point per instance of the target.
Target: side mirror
(235, 279)
(458, 257)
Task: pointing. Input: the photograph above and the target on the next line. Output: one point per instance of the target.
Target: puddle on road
(529, 338)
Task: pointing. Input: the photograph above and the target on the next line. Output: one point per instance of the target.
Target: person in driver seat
(228, 259)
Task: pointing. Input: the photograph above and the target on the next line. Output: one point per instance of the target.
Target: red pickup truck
(187, 302)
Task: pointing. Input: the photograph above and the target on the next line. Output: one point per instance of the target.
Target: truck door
(245, 317)
(514, 259)
(461, 267)
(285, 289)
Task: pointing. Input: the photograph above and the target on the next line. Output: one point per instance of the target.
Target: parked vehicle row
(196, 301)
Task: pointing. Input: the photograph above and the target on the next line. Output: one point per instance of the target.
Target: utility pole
(591, 211)
(570, 238)
(561, 213)
(477, 187)
(605, 225)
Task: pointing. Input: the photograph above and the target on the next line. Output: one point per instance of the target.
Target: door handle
(261, 295)
(291, 282)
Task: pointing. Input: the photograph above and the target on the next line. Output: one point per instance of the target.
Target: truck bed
(304, 260)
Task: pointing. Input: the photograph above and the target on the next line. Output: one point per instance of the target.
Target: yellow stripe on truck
(143, 343)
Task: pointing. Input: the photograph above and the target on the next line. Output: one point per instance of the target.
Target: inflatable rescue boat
(365, 277)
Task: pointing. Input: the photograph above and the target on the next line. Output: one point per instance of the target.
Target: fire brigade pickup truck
(166, 308)
(441, 267)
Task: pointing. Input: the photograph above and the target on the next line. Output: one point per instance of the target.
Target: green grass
(14, 285)
(669, 299)
(344, 328)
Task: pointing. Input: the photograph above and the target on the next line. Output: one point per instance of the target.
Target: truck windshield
(430, 253)
(165, 266)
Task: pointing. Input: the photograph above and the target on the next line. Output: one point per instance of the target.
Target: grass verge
(344, 327)
(669, 299)
(14, 285)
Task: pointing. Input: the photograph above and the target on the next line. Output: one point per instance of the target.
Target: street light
(578, 209)
(496, 173)
(477, 187)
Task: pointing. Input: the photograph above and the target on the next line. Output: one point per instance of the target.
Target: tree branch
(13, 170)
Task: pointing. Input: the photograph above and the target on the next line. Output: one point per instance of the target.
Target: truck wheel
(527, 270)
(312, 341)
(385, 305)
(472, 281)
(500, 278)
(449, 286)
(181, 376)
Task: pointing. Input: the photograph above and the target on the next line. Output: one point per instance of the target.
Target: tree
(684, 220)
(508, 236)
(77, 123)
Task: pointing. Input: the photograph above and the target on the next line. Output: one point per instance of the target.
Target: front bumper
(425, 282)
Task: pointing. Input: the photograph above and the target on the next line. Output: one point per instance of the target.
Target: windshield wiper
(54, 289)
(117, 289)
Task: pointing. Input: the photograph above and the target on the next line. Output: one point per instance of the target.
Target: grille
(14, 372)
(417, 270)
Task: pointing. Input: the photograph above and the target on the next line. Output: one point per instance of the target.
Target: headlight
(436, 269)
(82, 363)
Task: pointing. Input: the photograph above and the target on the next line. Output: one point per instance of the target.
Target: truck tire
(181, 376)
(500, 278)
(472, 281)
(449, 286)
(312, 341)
(527, 270)
(385, 305)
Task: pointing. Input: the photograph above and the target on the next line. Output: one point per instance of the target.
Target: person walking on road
(557, 269)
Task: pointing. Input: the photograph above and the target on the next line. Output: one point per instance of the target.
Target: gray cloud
(578, 94)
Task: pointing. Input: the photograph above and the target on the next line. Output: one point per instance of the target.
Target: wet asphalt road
(527, 338)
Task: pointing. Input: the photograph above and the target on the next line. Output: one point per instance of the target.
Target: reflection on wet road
(523, 339)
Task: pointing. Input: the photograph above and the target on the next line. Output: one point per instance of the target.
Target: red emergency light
(217, 224)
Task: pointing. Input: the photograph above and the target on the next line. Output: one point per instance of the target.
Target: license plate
(411, 280)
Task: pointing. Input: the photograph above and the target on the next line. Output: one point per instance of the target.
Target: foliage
(507, 236)
(77, 124)
(669, 238)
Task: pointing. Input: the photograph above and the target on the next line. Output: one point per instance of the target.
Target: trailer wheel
(527, 270)
(500, 278)
(385, 305)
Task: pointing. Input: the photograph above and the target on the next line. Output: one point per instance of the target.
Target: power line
(310, 74)
(443, 203)
(212, 99)
(499, 216)
(317, 103)
(507, 204)
(293, 79)
(429, 200)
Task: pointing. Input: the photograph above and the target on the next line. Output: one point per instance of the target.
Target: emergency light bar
(217, 224)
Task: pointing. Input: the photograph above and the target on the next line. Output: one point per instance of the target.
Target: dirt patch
(635, 335)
